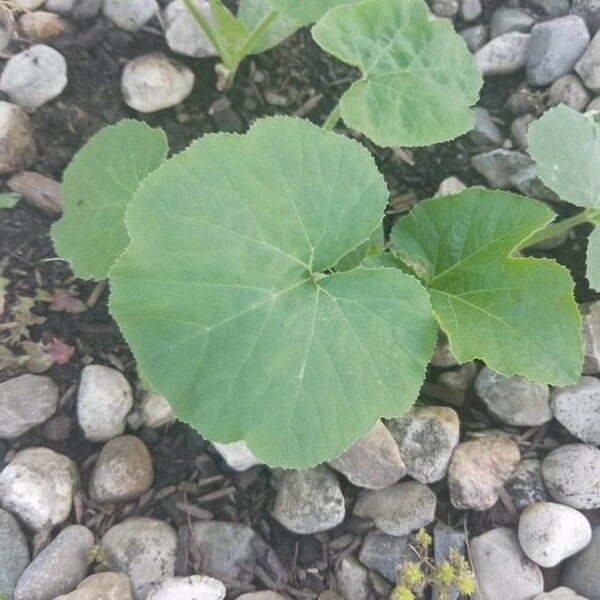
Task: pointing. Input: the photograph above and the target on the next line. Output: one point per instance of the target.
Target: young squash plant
(246, 272)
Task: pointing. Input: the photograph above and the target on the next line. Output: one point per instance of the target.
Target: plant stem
(255, 36)
(205, 26)
(333, 118)
(589, 215)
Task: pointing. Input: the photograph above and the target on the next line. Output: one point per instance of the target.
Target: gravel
(14, 554)
(237, 455)
(130, 15)
(183, 35)
(506, 19)
(590, 331)
(588, 67)
(504, 54)
(581, 573)
(17, 144)
(385, 553)
(569, 90)
(196, 587)
(102, 586)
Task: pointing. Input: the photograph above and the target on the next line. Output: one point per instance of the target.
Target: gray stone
(506, 19)
(123, 471)
(561, 593)
(237, 455)
(549, 533)
(27, 4)
(594, 105)
(34, 76)
(309, 501)
(514, 400)
(444, 8)
(373, 461)
(399, 509)
(17, 144)
(470, 9)
(156, 410)
(130, 15)
(502, 571)
(385, 553)
(569, 90)
(352, 579)
(426, 438)
(14, 554)
(504, 54)
(588, 66)
(86, 9)
(478, 470)
(38, 486)
(266, 595)
(142, 548)
(443, 357)
(459, 381)
(572, 475)
(590, 332)
(40, 26)
(577, 407)
(525, 99)
(196, 587)
(475, 37)
(26, 401)
(553, 8)
(589, 10)
(485, 132)
(59, 568)
(526, 484)
(519, 129)
(154, 82)
(102, 586)
(581, 573)
(103, 401)
(60, 7)
(183, 34)
(555, 47)
(444, 539)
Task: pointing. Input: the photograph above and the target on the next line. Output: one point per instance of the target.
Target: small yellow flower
(465, 584)
(444, 574)
(402, 593)
(423, 539)
(411, 574)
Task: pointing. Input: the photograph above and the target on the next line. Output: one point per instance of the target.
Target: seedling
(235, 266)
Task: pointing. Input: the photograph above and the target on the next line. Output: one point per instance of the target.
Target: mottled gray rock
(14, 554)
(589, 10)
(123, 471)
(553, 8)
(352, 579)
(572, 475)
(40, 26)
(526, 484)
(373, 461)
(470, 9)
(460, 380)
(385, 553)
(503, 572)
(60, 7)
(475, 37)
(590, 331)
(103, 401)
(26, 401)
(555, 47)
(485, 132)
(237, 455)
(478, 469)
(581, 573)
(514, 400)
(399, 509)
(156, 410)
(577, 407)
(444, 8)
(506, 19)
(154, 82)
(142, 548)
(17, 144)
(59, 568)
(266, 595)
(443, 357)
(594, 105)
(519, 130)
(549, 533)
(504, 54)
(569, 90)
(426, 438)
(588, 66)
(34, 76)
(561, 593)
(38, 486)
(102, 586)
(130, 15)
(444, 539)
(196, 587)
(86, 9)
(309, 501)
(525, 99)
(183, 34)
(27, 4)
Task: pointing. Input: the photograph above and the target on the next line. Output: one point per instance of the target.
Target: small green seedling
(566, 146)
(247, 272)
(8, 199)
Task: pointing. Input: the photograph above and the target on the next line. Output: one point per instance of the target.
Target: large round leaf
(223, 297)
(517, 314)
(418, 78)
(305, 12)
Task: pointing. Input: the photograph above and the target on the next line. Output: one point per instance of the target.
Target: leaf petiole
(589, 215)
(333, 118)
(205, 26)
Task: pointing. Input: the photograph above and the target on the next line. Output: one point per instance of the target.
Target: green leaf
(9, 199)
(593, 259)
(418, 78)
(230, 31)
(517, 314)
(305, 12)
(223, 298)
(252, 12)
(566, 147)
(97, 186)
(371, 247)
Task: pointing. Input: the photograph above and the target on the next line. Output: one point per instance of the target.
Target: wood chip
(38, 190)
